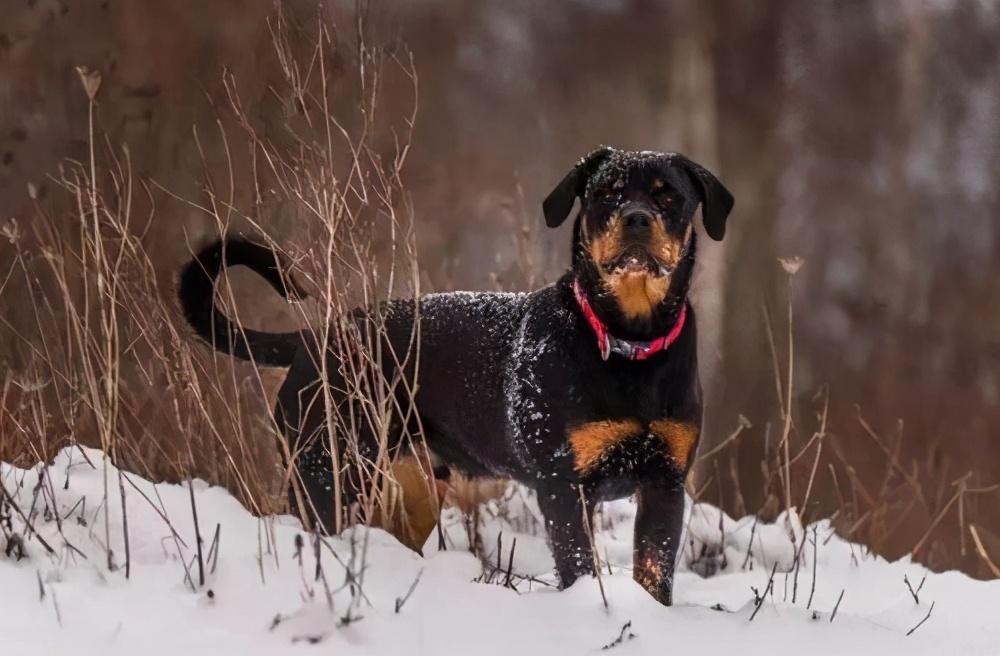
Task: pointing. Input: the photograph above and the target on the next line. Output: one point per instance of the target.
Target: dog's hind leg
(338, 458)
(304, 445)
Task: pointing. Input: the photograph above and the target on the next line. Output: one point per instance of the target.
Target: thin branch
(914, 593)
(400, 601)
(836, 606)
(197, 535)
(921, 622)
(982, 551)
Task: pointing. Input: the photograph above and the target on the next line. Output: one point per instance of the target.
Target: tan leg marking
(589, 441)
(646, 571)
(680, 438)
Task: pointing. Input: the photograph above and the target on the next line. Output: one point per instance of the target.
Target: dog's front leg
(565, 511)
(658, 524)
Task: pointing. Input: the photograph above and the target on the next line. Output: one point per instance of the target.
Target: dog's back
(466, 343)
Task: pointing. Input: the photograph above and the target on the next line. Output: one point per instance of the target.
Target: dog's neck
(609, 344)
(661, 318)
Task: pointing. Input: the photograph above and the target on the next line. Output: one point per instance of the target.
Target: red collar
(632, 350)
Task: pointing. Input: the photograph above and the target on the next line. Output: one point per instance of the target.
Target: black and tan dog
(584, 390)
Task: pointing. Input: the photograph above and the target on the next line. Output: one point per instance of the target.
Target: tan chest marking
(680, 437)
(592, 440)
(638, 293)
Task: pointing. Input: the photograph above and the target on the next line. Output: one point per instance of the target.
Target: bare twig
(213, 549)
(837, 605)
(197, 535)
(128, 550)
(812, 589)
(593, 546)
(914, 593)
(623, 635)
(742, 425)
(13, 504)
(753, 530)
(798, 563)
(510, 563)
(760, 597)
(400, 601)
(982, 552)
(921, 622)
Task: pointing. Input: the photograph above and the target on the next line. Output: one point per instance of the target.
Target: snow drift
(73, 583)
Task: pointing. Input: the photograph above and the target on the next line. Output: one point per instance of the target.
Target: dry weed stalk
(349, 196)
(113, 365)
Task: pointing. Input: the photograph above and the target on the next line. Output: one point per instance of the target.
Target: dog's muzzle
(637, 219)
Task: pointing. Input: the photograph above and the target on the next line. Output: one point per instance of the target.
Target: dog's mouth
(635, 260)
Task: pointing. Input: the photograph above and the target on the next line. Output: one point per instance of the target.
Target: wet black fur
(504, 378)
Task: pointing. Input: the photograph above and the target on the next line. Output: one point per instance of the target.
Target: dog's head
(634, 236)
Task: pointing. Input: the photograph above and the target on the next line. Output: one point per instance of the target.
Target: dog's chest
(614, 418)
(628, 389)
(629, 424)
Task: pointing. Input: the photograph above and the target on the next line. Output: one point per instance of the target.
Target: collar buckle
(624, 348)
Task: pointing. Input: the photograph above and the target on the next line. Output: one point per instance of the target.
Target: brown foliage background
(861, 136)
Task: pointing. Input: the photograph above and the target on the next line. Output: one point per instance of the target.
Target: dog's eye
(665, 197)
(605, 193)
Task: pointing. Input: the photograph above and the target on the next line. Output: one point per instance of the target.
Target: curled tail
(197, 296)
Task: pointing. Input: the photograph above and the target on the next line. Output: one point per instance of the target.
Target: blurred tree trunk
(749, 88)
(690, 125)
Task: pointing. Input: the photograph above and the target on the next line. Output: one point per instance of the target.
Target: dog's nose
(638, 219)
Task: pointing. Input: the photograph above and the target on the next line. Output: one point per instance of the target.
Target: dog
(584, 390)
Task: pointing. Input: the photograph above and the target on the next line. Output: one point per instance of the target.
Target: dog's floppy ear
(558, 204)
(716, 201)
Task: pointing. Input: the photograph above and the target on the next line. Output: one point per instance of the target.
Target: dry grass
(852, 474)
(110, 362)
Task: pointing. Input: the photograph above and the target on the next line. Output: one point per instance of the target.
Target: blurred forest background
(862, 136)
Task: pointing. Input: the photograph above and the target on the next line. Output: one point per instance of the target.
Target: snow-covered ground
(261, 593)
